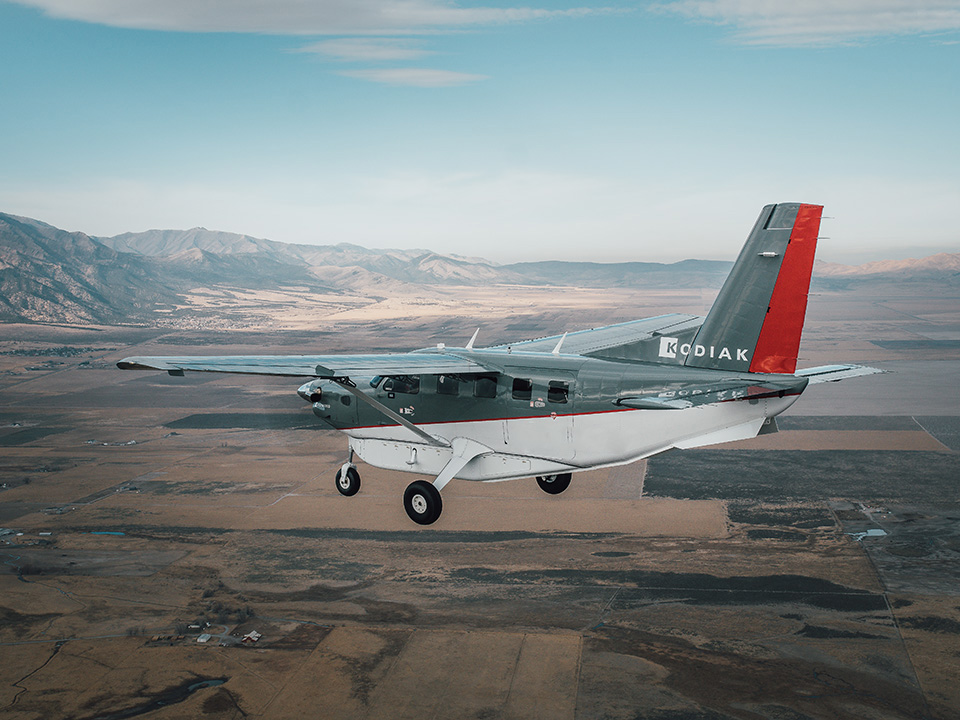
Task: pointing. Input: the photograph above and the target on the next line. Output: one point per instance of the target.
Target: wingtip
(132, 364)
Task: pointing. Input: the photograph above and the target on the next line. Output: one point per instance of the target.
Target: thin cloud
(821, 22)
(367, 49)
(415, 77)
(292, 17)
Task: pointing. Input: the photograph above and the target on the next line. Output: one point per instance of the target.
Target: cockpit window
(376, 381)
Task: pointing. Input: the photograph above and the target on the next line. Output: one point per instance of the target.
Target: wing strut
(351, 388)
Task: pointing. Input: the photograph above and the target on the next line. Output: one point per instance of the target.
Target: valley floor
(811, 573)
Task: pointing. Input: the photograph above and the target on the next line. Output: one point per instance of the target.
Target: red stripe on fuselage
(779, 341)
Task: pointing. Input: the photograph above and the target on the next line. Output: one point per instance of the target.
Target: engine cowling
(311, 391)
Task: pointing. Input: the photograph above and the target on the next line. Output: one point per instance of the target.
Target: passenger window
(448, 385)
(522, 389)
(407, 384)
(557, 391)
(485, 386)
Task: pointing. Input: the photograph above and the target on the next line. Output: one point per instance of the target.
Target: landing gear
(554, 484)
(422, 502)
(348, 483)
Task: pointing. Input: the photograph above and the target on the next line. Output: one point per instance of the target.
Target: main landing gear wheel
(554, 484)
(348, 484)
(422, 502)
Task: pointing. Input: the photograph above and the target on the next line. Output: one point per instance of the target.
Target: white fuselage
(521, 447)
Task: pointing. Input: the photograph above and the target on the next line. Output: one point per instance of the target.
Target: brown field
(620, 598)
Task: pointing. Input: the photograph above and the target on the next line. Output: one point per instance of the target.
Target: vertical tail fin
(756, 321)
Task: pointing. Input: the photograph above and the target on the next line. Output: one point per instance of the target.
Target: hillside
(942, 266)
(51, 275)
(422, 267)
(683, 274)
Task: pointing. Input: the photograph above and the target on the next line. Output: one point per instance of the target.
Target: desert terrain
(151, 522)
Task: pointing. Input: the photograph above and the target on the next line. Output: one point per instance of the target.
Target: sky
(605, 131)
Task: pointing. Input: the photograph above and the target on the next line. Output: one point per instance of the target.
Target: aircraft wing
(322, 366)
(582, 342)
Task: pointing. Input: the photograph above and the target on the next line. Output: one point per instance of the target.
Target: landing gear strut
(554, 484)
(422, 502)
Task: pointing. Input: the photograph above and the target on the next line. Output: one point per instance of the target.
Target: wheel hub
(419, 504)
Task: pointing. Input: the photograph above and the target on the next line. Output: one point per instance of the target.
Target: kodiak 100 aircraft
(553, 406)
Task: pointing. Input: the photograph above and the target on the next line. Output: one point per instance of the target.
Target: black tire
(554, 484)
(349, 485)
(422, 502)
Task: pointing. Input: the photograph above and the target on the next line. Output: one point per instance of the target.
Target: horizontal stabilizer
(835, 373)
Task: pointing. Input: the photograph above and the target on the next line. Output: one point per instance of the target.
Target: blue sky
(609, 131)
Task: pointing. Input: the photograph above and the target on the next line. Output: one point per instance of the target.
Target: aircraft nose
(310, 391)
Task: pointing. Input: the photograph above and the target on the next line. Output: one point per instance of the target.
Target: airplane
(583, 400)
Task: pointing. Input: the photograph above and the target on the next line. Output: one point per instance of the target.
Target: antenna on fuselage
(473, 339)
(556, 350)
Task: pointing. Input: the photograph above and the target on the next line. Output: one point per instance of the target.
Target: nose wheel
(554, 484)
(422, 502)
(348, 480)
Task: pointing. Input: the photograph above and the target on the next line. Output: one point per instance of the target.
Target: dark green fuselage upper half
(530, 385)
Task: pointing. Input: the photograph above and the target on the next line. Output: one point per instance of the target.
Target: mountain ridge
(52, 275)
(61, 276)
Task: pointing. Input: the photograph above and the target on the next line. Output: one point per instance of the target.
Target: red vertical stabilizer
(779, 341)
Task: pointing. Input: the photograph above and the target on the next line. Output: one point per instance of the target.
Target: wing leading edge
(322, 366)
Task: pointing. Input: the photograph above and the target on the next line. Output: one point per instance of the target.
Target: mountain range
(51, 275)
